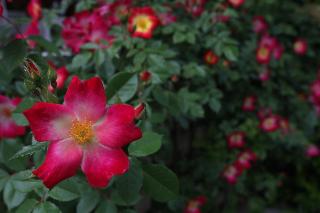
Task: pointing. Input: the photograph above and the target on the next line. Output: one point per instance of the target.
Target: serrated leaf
(147, 145)
(88, 201)
(12, 198)
(13, 54)
(46, 207)
(29, 150)
(27, 206)
(117, 82)
(106, 207)
(65, 191)
(160, 183)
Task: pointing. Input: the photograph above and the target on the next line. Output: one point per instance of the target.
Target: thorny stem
(13, 24)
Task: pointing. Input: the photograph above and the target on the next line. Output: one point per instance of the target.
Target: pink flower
(62, 76)
(300, 46)
(270, 123)
(195, 7)
(1, 10)
(31, 30)
(83, 132)
(34, 9)
(264, 75)
(8, 128)
(231, 173)
(263, 54)
(245, 159)
(236, 139)
(312, 151)
(167, 18)
(142, 22)
(249, 103)
(194, 205)
(260, 25)
(86, 27)
(236, 3)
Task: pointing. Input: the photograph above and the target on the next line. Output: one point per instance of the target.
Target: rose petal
(118, 128)
(49, 122)
(101, 163)
(86, 98)
(62, 161)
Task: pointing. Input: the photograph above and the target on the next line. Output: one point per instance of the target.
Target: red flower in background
(249, 103)
(1, 9)
(231, 173)
(194, 205)
(142, 22)
(264, 75)
(195, 7)
(263, 113)
(300, 46)
(270, 123)
(245, 159)
(86, 27)
(260, 25)
(236, 139)
(263, 54)
(31, 30)
(62, 75)
(8, 128)
(236, 3)
(167, 18)
(34, 9)
(312, 151)
(211, 58)
(83, 132)
(145, 75)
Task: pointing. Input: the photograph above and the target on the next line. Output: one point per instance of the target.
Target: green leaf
(106, 207)
(8, 148)
(178, 37)
(20, 119)
(29, 150)
(88, 201)
(12, 198)
(129, 185)
(81, 60)
(231, 52)
(27, 206)
(13, 54)
(42, 42)
(160, 183)
(129, 89)
(215, 104)
(4, 176)
(117, 82)
(46, 207)
(147, 145)
(25, 104)
(65, 191)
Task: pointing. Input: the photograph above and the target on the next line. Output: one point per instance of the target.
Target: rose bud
(145, 76)
(211, 58)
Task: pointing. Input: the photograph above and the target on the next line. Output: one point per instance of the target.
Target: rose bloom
(245, 159)
(270, 123)
(31, 30)
(8, 128)
(263, 54)
(236, 139)
(142, 22)
(211, 58)
(312, 151)
(300, 46)
(62, 76)
(195, 7)
(86, 27)
(264, 75)
(249, 103)
(260, 25)
(236, 3)
(34, 9)
(231, 173)
(194, 205)
(83, 132)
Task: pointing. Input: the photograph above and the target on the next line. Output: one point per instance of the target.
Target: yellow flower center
(142, 23)
(263, 52)
(81, 131)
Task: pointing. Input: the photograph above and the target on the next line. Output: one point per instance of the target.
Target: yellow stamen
(81, 131)
(142, 23)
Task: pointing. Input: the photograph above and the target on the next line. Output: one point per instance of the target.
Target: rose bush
(164, 106)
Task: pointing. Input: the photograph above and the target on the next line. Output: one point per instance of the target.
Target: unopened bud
(138, 110)
(31, 68)
(145, 76)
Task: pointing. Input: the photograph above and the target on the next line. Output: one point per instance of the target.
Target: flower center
(142, 23)
(81, 131)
